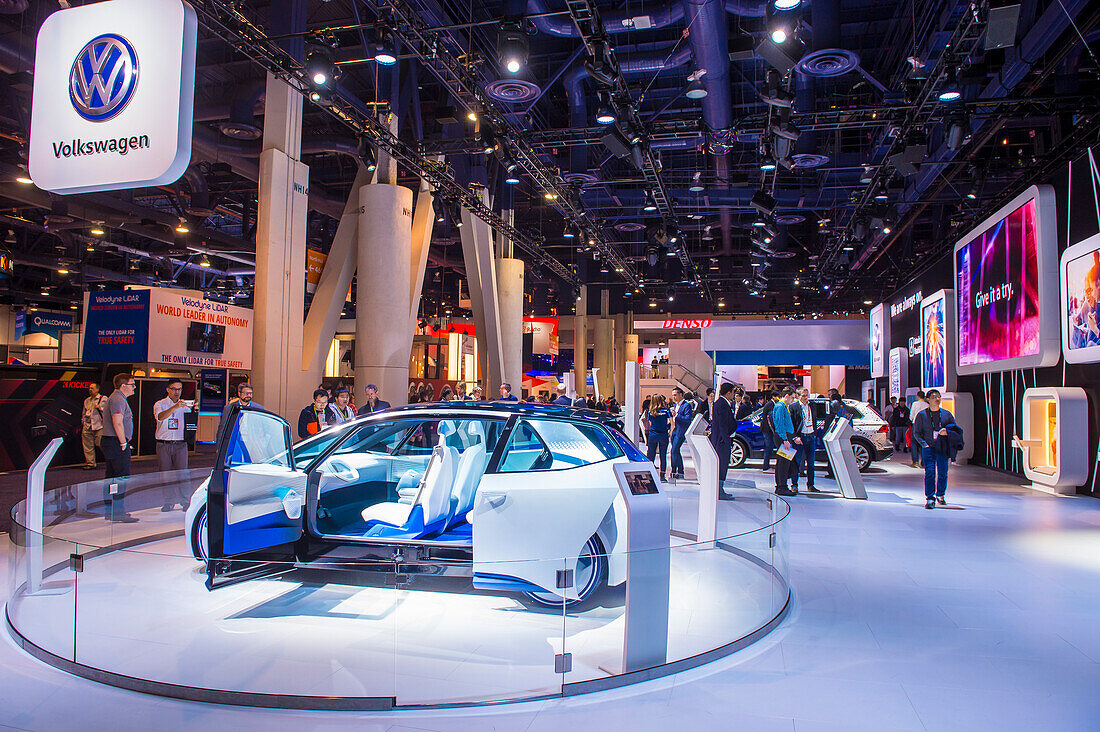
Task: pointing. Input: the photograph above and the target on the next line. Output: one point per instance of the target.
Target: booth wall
(998, 396)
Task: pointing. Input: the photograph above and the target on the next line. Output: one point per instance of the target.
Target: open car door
(255, 499)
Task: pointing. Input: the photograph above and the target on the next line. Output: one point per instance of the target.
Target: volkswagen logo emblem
(103, 77)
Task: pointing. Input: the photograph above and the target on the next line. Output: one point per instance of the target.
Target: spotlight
(650, 205)
(63, 270)
(512, 48)
(569, 233)
(707, 236)
(695, 89)
(483, 132)
(97, 231)
(205, 261)
(950, 91)
(320, 65)
(886, 228)
(605, 113)
(321, 97)
(767, 165)
(786, 4)
(471, 115)
(511, 177)
(779, 35)
(367, 153)
(385, 49)
(550, 196)
(697, 183)
(182, 227)
(24, 180)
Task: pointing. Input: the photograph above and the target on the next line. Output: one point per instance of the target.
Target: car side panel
(526, 526)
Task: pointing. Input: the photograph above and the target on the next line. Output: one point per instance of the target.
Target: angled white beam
(477, 253)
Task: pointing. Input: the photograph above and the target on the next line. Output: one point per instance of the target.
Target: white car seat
(470, 468)
(433, 497)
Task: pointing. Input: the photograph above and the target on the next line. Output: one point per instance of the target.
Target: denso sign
(674, 323)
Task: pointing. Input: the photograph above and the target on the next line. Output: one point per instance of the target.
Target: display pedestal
(838, 446)
(706, 470)
(1055, 441)
(649, 521)
(633, 408)
(961, 405)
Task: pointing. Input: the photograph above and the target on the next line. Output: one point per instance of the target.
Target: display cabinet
(1054, 445)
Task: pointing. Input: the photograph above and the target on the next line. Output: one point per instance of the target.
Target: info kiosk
(1055, 441)
(838, 447)
(705, 459)
(649, 521)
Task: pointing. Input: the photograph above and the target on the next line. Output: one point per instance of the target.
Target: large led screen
(1081, 301)
(1004, 288)
(934, 366)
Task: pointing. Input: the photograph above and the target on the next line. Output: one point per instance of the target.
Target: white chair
(433, 497)
(470, 468)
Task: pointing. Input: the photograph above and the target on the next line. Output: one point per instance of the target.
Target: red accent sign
(677, 323)
(800, 372)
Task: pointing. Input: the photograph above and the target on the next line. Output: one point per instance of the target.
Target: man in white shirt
(171, 445)
(802, 416)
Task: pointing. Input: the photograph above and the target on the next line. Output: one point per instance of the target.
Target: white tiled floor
(903, 618)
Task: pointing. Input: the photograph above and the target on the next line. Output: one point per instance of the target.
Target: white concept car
(508, 494)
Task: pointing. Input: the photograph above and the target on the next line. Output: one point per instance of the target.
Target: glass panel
(42, 590)
(308, 449)
(258, 438)
(557, 445)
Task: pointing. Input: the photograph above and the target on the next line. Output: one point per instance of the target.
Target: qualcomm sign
(113, 102)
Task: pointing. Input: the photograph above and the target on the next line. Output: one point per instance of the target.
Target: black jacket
(797, 417)
(924, 436)
(310, 418)
(900, 417)
(722, 424)
(744, 409)
(379, 405)
(836, 409)
(766, 425)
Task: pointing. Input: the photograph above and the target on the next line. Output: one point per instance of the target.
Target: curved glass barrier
(127, 603)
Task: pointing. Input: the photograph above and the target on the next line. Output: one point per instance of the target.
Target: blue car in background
(870, 442)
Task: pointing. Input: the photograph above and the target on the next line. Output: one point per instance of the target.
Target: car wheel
(862, 452)
(738, 454)
(199, 538)
(590, 576)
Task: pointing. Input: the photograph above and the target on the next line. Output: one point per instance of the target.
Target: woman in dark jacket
(930, 431)
(660, 427)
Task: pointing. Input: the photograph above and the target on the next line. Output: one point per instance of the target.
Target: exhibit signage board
(897, 385)
(937, 316)
(166, 326)
(191, 331)
(1006, 277)
(1080, 315)
(880, 340)
(113, 99)
(52, 324)
(116, 326)
(544, 334)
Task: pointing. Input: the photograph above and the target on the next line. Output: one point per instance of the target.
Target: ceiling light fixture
(697, 183)
(779, 36)
(182, 227)
(97, 231)
(385, 49)
(205, 261)
(650, 205)
(950, 91)
(23, 179)
(605, 113)
(320, 65)
(786, 4)
(512, 47)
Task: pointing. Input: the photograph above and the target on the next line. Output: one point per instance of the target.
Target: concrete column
(620, 356)
(281, 384)
(603, 356)
(384, 269)
(510, 290)
(580, 343)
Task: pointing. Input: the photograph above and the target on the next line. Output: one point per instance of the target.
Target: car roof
(499, 408)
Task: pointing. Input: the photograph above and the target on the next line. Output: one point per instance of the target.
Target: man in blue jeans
(681, 419)
(930, 430)
(767, 428)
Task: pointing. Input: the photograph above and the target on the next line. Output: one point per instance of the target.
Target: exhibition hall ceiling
(726, 156)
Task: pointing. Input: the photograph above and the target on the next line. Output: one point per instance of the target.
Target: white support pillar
(384, 268)
(632, 400)
(510, 287)
(580, 343)
(422, 225)
(332, 288)
(277, 372)
(603, 357)
(477, 254)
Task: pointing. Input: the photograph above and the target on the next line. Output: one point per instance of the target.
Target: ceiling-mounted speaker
(1000, 29)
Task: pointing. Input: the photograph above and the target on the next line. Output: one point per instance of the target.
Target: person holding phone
(933, 430)
(171, 445)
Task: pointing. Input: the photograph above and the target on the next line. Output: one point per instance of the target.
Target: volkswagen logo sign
(103, 77)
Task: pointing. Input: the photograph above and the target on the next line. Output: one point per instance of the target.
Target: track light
(205, 261)
(511, 173)
(97, 231)
(697, 183)
(385, 47)
(512, 47)
(182, 227)
(321, 97)
(650, 205)
(786, 4)
(779, 35)
(767, 165)
(605, 113)
(695, 88)
(321, 65)
(569, 233)
(367, 153)
(950, 91)
(483, 132)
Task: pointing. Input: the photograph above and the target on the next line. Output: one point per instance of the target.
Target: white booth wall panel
(786, 335)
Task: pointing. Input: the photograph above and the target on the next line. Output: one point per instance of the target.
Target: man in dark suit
(374, 403)
(722, 427)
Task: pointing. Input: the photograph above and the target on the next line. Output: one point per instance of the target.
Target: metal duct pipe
(615, 21)
(13, 7)
(573, 80)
